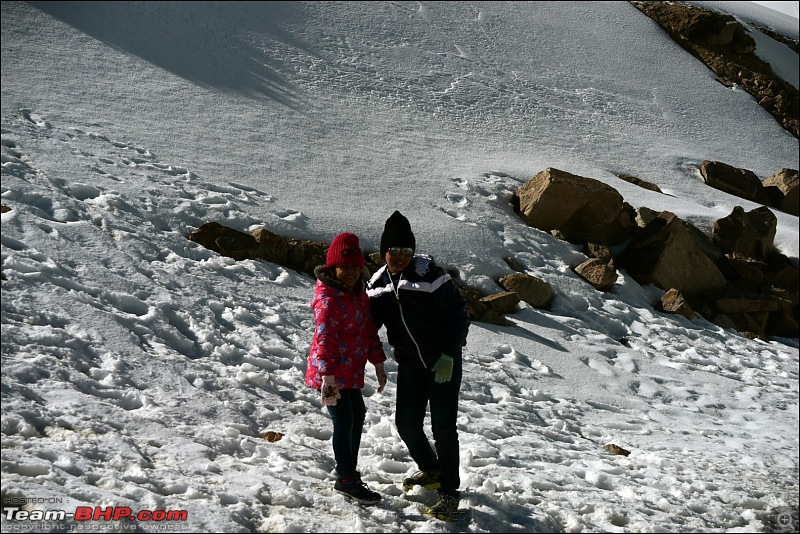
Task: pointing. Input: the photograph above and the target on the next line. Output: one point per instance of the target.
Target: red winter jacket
(345, 336)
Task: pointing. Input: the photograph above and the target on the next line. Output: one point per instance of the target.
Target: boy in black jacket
(426, 322)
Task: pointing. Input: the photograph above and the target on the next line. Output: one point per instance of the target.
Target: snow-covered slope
(141, 370)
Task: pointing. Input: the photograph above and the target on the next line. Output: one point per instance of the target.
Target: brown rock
(599, 273)
(641, 183)
(616, 449)
(226, 241)
(750, 234)
(739, 182)
(674, 302)
(272, 247)
(530, 289)
(581, 209)
(666, 253)
(782, 189)
(505, 302)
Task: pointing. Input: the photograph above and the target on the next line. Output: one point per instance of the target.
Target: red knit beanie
(344, 250)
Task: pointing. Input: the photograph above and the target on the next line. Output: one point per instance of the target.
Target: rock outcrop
(734, 277)
(723, 45)
(296, 254)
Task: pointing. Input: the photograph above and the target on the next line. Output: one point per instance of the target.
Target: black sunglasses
(405, 251)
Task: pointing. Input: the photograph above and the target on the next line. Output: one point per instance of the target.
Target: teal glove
(443, 369)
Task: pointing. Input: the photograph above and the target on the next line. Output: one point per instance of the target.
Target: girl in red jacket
(345, 337)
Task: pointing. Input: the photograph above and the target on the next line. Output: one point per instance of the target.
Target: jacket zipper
(403, 317)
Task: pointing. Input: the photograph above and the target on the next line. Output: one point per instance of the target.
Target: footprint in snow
(35, 118)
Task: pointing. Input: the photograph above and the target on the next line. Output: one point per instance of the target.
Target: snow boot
(426, 479)
(446, 508)
(357, 491)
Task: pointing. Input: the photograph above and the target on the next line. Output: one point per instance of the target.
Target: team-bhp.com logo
(88, 514)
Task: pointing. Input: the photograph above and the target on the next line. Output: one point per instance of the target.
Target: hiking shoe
(446, 508)
(426, 479)
(357, 491)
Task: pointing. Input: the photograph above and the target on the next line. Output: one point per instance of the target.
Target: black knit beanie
(397, 233)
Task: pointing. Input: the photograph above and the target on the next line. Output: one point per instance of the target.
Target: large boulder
(750, 234)
(577, 208)
(783, 192)
(666, 253)
(739, 182)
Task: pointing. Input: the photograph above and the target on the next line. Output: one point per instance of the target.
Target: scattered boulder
(743, 271)
(225, 241)
(641, 183)
(666, 253)
(600, 273)
(750, 234)
(781, 273)
(272, 436)
(275, 247)
(530, 289)
(300, 255)
(479, 310)
(782, 323)
(673, 254)
(739, 182)
(593, 250)
(502, 303)
(732, 302)
(643, 216)
(616, 449)
(782, 190)
(753, 314)
(673, 301)
(304, 255)
(578, 208)
(735, 278)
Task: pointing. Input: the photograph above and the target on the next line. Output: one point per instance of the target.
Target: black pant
(348, 423)
(415, 389)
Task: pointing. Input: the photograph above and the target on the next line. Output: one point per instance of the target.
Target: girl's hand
(330, 393)
(380, 373)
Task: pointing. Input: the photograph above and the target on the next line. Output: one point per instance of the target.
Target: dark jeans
(415, 389)
(348, 423)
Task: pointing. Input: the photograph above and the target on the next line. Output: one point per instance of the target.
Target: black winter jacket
(423, 310)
